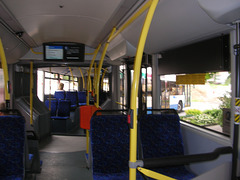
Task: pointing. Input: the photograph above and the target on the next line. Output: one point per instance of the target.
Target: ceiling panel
(175, 23)
(58, 20)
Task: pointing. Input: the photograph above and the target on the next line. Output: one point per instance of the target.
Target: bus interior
(150, 89)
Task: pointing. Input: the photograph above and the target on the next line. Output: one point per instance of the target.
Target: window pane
(199, 104)
(40, 80)
(47, 74)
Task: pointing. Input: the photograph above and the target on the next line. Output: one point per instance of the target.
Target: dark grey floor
(74, 132)
(64, 166)
(63, 158)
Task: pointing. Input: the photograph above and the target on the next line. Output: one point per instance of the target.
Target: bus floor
(63, 158)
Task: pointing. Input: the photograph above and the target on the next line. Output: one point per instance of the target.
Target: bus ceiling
(26, 24)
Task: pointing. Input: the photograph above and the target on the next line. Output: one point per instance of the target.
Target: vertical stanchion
(134, 90)
(88, 88)
(94, 83)
(100, 65)
(6, 77)
(237, 107)
(31, 93)
(105, 70)
(83, 81)
(89, 72)
(70, 69)
(50, 90)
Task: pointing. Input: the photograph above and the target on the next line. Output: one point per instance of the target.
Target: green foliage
(213, 112)
(210, 75)
(193, 112)
(228, 80)
(225, 101)
(201, 120)
(205, 118)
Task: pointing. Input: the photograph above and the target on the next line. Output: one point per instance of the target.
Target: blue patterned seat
(12, 128)
(82, 98)
(73, 97)
(63, 108)
(109, 138)
(59, 94)
(161, 136)
(62, 122)
(53, 106)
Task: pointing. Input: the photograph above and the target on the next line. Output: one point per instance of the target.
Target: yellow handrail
(135, 84)
(82, 77)
(89, 87)
(70, 69)
(101, 63)
(89, 71)
(153, 174)
(104, 72)
(135, 16)
(50, 86)
(31, 92)
(34, 52)
(121, 104)
(95, 79)
(90, 53)
(5, 72)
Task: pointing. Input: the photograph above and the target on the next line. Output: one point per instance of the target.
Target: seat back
(59, 95)
(109, 137)
(53, 106)
(160, 135)
(64, 108)
(12, 139)
(72, 96)
(82, 98)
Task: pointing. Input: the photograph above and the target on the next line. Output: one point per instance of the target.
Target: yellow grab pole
(95, 78)
(153, 174)
(31, 92)
(135, 16)
(89, 87)
(89, 53)
(49, 105)
(89, 72)
(135, 84)
(70, 69)
(34, 52)
(101, 63)
(82, 77)
(105, 70)
(5, 72)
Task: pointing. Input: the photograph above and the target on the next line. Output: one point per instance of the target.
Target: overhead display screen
(64, 52)
(54, 52)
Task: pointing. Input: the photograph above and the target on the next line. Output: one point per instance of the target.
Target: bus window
(206, 105)
(172, 95)
(147, 90)
(40, 81)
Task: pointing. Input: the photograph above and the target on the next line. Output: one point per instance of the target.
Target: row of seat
(109, 138)
(76, 97)
(60, 115)
(59, 108)
(15, 148)
(160, 146)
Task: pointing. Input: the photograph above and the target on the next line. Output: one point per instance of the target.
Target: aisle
(64, 159)
(58, 143)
